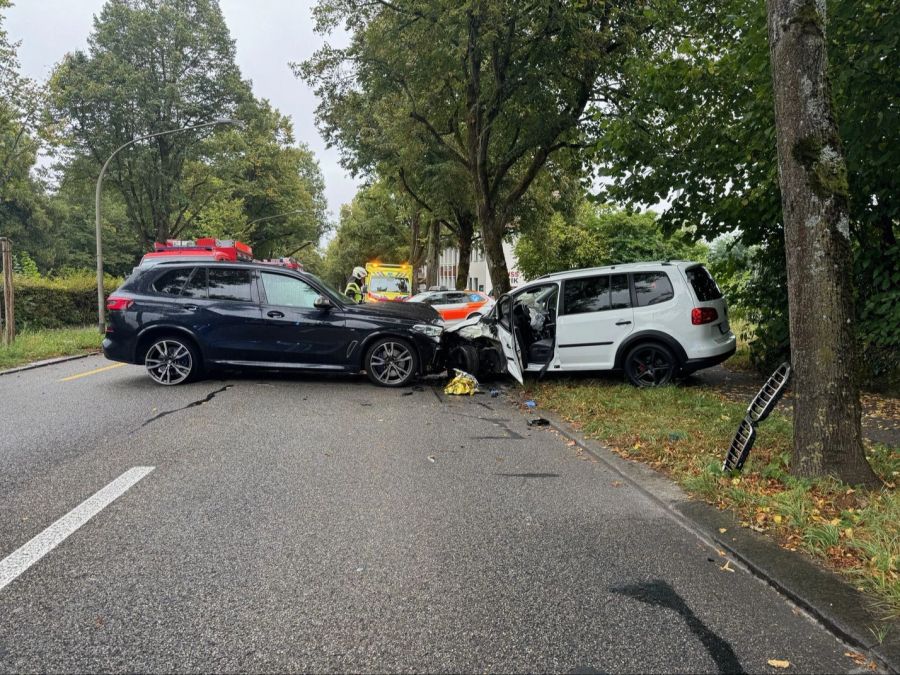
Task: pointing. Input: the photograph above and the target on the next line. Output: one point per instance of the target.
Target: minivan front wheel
(650, 365)
(171, 360)
(391, 362)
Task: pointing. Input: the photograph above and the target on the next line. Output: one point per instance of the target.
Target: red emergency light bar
(228, 249)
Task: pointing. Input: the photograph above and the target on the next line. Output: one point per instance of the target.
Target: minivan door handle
(623, 323)
(275, 314)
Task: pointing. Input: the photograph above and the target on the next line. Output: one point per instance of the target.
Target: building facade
(479, 275)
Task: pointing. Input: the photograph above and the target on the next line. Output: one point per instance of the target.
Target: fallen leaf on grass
(723, 530)
(779, 663)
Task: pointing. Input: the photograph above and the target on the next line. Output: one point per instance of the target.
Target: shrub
(58, 302)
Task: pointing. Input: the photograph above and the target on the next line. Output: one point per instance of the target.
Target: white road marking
(29, 553)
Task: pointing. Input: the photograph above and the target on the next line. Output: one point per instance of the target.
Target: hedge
(42, 302)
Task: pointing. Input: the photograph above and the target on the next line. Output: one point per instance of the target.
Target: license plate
(724, 327)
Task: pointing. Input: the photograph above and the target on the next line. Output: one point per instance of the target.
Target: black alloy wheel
(650, 365)
(391, 362)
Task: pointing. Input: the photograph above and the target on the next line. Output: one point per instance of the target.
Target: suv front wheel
(650, 365)
(391, 362)
(171, 360)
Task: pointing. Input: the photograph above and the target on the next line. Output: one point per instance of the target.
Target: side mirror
(323, 302)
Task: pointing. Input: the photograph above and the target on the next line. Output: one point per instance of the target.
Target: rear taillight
(114, 304)
(702, 315)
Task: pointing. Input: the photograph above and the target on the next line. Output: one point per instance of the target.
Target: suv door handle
(623, 323)
(191, 308)
(275, 314)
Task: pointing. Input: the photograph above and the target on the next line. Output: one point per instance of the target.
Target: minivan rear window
(703, 284)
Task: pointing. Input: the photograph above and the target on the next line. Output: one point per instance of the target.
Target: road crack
(206, 399)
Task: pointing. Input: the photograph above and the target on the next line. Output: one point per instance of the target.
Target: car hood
(411, 311)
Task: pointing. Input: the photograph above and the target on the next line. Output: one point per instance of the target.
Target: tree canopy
(496, 88)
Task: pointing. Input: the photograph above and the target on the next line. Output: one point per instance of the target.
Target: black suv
(176, 319)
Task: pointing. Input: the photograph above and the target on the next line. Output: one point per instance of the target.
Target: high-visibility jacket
(353, 291)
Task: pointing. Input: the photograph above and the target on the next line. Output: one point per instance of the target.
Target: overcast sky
(269, 34)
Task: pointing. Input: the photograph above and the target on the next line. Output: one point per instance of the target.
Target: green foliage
(497, 89)
(46, 344)
(699, 131)
(24, 265)
(151, 66)
(597, 235)
(373, 227)
(57, 302)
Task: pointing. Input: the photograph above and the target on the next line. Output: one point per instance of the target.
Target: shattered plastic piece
(431, 458)
(495, 393)
(538, 422)
(531, 404)
(462, 385)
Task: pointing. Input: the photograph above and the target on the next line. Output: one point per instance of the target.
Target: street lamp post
(101, 306)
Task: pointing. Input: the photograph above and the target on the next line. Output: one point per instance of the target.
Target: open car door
(506, 332)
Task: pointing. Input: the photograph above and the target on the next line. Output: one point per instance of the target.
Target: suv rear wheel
(650, 365)
(391, 362)
(171, 360)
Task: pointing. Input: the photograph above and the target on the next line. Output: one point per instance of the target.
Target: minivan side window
(171, 282)
(590, 294)
(225, 284)
(652, 288)
(619, 292)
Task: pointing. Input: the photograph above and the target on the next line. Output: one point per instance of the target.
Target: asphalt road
(312, 524)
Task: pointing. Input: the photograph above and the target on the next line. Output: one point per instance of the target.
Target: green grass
(684, 432)
(45, 344)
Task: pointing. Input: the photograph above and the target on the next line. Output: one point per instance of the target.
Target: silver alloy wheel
(391, 363)
(169, 362)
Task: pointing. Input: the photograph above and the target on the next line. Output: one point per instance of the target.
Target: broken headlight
(428, 329)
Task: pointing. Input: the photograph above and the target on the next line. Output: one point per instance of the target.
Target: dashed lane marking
(29, 553)
(91, 372)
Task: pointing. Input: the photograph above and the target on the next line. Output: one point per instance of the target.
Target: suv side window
(652, 288)
(288, 291)
(226, 284)
(590, 294)
(196, 287)
(171, 282)
(619, 292)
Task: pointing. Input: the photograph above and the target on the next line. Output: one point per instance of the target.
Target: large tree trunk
(465, 226)
(492, 235)
(813, 179)
(434, 253)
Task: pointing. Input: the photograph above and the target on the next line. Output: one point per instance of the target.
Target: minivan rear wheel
(391, 362)
(650, 365)
(171, 360)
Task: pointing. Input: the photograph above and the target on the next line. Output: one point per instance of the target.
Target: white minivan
(653, 320)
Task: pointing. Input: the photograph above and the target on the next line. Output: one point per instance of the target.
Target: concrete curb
(46, 362)
(830, 600)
